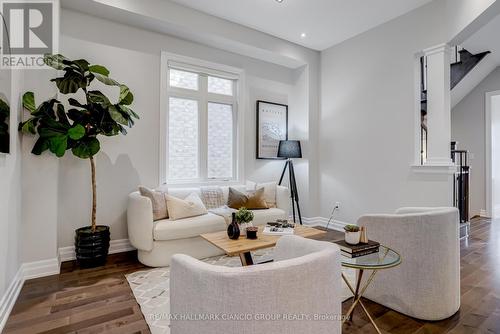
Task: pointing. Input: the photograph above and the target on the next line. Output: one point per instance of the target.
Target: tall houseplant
(77, 128)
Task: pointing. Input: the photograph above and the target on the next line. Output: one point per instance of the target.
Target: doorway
(492, 113)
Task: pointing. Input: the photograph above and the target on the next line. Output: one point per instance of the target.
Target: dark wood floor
(100, 300)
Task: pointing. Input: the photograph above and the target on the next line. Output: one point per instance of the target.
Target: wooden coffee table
(243, 246)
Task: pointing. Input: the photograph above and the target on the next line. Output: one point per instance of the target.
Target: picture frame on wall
(272, 126)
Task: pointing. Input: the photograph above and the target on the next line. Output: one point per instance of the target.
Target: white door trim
(487, 128)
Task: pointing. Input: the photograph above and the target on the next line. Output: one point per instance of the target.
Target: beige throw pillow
(190, 206)
(269, 191)
(158, 202)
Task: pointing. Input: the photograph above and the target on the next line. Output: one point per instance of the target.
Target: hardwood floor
(100, 300)
(80, 301)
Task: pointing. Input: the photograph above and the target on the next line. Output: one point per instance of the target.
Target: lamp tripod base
(294, 195)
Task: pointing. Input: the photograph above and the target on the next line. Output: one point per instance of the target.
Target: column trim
(444, 47)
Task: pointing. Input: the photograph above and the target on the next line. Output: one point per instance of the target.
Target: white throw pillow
(190, 206)
(269, 191)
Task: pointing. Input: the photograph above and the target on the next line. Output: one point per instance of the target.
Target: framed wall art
(272, 126)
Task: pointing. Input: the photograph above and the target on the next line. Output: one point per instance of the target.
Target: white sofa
(304, 281)
(157, 241)
(427, 283)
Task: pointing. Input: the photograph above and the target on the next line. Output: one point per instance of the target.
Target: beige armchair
(298, 293)
(427, 283)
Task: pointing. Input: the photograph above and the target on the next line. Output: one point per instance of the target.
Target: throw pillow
(158, 202)
(237, 199)
(269, 191)
(190, 206)
(212, 197)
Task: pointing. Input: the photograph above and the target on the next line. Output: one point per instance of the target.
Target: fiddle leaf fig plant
(76, 125)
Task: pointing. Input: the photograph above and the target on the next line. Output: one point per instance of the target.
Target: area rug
(151, 288)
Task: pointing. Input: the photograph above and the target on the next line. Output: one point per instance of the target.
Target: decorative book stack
(358, 250)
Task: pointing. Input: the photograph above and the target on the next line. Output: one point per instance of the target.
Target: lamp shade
(289, 149)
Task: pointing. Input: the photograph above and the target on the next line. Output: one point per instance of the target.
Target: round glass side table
(385, 258)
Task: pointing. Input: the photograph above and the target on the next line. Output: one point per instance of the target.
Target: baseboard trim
(335, 224)
(483, 214)
(26, 271)
(40, 268)
(10, 296)
(115, 246)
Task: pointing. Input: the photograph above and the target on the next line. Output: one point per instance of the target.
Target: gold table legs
(357, 296)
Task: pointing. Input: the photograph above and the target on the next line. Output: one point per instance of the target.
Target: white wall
(133, 57)
(39, 183)
(367, 120)
(495, 158)
(468, 129)
(10, 188)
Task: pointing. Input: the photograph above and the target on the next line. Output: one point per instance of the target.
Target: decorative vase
(233, 230)
(352, 238)
(92, 248)
(244, 226)
(364, 236)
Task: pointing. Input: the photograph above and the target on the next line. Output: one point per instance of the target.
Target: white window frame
(169, 60)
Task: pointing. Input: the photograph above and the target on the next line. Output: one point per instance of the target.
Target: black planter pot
(92, 248)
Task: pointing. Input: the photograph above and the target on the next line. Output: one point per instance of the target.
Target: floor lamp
(290, 149)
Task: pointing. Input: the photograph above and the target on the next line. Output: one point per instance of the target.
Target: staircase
(462, 63)
(467, 61)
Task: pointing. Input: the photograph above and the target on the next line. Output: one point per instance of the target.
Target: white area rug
(151, 288)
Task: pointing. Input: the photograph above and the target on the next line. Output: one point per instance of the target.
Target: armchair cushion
(427, 283)
(270, 289)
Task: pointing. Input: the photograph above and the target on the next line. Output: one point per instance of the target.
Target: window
(201, 124)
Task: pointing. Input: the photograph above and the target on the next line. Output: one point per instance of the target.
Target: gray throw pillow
(158, 201)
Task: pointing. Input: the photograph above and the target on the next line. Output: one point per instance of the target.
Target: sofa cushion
(262, 217)
(167, 229)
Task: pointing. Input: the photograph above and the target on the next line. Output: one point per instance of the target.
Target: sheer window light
(183, 79)
(183, 139)
(220, 86)
(201, 126)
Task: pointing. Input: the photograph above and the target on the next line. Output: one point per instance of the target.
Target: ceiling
(486, 39)
(325, 22)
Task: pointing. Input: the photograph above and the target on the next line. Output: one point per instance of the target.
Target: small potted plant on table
(352, 234)
(244, 217)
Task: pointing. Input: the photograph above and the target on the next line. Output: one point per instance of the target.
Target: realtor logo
(28, 32)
